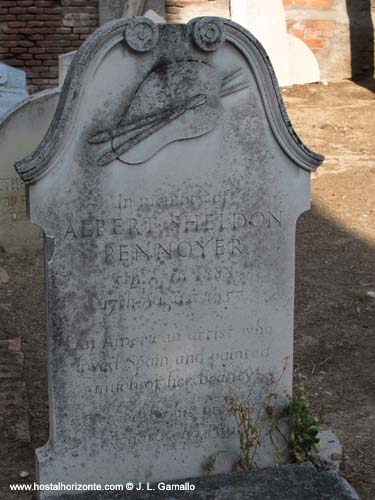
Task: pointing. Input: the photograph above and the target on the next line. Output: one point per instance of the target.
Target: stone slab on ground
(330, 453)
(288, 482)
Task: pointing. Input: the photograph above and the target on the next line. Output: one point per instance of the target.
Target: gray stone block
(288, 482)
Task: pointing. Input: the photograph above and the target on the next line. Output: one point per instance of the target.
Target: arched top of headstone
(27, 102)
(156, 54)
(12, 87)
(12, 78)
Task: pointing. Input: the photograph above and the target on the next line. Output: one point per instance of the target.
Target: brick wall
(339, 32)
(34, 32)
(180, 11)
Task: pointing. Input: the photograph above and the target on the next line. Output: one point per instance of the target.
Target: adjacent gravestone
(293, 61)
(21, 130)
(12, 87)
(168, 188)
(110, 10)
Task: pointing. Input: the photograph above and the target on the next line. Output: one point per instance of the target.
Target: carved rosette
(141, 34)
(209, 34)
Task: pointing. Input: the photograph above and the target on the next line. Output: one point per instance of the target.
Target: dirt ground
(335, 289)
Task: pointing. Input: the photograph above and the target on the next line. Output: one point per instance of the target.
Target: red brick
(40, 81)
(26, 31)
(48, 17)
(7, 17)
(324, 25)
(314, 43)
(45, 3)
(37, 50)
(49, 74)
(10, 44)
(299, 33)
(55, 24)
(17, 24)
(26, 43)
(321, 4)
(78, 10)
(46, 56)
(68, 3)
(55, 50)
(55, 43)
(35, 10)
(25, 17)
(45, 30)
(35, 24)
(311, 33)
(36, 65)
(18, 50)
(17, 10)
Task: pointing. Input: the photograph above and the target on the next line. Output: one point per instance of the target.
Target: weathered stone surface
(168, 187)
(21, 130)
(288, 482)
(64, 63)
(12, 87)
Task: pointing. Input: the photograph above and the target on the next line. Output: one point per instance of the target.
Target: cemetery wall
(339, 32)
(34, 32)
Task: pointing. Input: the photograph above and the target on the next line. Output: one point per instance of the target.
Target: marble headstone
(21, 130)
(12, 87)
(168, 188)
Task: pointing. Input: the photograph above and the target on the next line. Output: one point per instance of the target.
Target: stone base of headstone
(287, 482)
